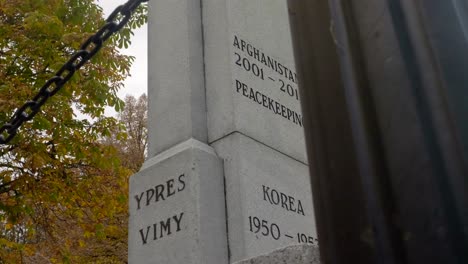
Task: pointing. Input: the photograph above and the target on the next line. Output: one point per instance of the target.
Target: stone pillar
(176, 81)
(227, 175)
(177, 206)
(255, 125)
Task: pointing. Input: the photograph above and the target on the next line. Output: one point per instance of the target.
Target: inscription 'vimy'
(161, 229)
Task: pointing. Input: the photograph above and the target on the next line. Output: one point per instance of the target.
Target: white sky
(137, 83)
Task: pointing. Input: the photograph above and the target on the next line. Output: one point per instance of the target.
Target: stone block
(177, 208)
(268, 198)
(176, 87)
(297, 254)
(250, 75)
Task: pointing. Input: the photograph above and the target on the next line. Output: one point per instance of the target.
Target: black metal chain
(116, 21)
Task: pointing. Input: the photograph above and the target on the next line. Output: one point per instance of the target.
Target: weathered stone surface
(251, 82)
(297, 254)
(268, 198)
(177, 208)
(176, 87)
(221, 72)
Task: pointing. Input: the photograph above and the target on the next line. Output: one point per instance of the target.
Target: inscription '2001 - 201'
(264, 59)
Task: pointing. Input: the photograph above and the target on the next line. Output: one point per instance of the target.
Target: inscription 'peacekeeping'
(269, 103)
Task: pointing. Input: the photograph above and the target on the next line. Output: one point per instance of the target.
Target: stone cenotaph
(226, 177)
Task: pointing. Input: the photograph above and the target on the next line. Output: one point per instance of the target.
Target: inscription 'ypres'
(161, 192)
(278, 198)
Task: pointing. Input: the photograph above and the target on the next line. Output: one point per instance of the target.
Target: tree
(132, 143)
(62, 192)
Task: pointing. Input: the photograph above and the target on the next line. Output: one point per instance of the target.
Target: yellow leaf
(81, 243)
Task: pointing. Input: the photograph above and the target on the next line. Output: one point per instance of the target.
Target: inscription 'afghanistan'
(263, 58)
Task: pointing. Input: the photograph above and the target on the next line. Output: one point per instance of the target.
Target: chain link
(115, 22)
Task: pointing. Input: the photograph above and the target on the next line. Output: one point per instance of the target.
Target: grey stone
(297, 254)
(221, 72)
(268, 198)
(177, 208)
(176, 87)
(262, 106)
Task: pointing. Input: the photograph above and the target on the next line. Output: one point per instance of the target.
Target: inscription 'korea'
(160, 192)
(161, 229)
(278, 198)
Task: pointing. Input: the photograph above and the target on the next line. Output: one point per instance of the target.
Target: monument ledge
(296, 254)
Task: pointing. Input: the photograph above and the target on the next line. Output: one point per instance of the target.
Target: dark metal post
(343, 227)
(388, 167)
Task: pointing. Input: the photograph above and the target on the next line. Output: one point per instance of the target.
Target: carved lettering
(161, 192)
(165, 227)
(300, 210)
(144, 237)
(291, 203)
(178, 220)
(264, 59)
(266, 193)
(138, 199)
(149, 195)
(284, 199)
(278, 198)
(170, 187)
(181, 183)
(269, 103)
(162, 228)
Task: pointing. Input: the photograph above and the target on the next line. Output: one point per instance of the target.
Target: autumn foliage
(63, 190)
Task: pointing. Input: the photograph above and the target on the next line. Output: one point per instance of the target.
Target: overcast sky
(136, 84)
